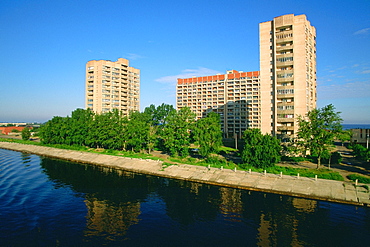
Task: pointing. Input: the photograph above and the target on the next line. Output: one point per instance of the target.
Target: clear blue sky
(45, 44)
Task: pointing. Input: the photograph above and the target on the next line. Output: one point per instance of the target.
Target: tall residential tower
(287, 72)
(112, 85)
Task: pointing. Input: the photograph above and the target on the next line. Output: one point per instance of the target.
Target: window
(285, 91)
(287, 75)
(285, 59)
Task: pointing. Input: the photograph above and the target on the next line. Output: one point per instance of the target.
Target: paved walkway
(320, 189)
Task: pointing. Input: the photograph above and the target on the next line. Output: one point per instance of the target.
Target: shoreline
(320, 189)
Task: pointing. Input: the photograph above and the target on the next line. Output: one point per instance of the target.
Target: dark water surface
(47, 202)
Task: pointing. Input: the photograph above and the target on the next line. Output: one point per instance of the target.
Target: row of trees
(174, 132)
(162, 127)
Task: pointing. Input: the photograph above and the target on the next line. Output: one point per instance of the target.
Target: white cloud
(133, 56)
(187, 73)
(362, 31)
(365, 71)
(353, 89)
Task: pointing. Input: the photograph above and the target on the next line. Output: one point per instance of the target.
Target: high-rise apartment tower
(287, 72)
(112, 85)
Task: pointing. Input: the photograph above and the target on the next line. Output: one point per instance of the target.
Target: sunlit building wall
(288, 73)
(112, 85)
(235, 96)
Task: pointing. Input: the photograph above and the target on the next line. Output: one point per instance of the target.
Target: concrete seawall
(320, 189)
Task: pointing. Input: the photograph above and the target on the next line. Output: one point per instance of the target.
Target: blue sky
(45, 44)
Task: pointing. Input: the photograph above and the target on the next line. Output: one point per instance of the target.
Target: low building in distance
(112, 85)
(361, 136)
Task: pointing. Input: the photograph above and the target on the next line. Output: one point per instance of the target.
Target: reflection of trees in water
(187, 202)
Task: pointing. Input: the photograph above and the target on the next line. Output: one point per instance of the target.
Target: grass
(227, 150)
(86, 149)
(213, 161)
(303, 172)
(360, 179)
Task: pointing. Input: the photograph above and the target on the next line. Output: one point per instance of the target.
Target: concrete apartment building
(361, 136)
(273, 97)
(234, 96)
(112, 85)
(288, 73)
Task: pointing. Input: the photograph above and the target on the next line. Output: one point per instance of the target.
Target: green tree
(55, 131)
(361, 152)
(108, 131)
(318, 130)
(138, 131)
(26, 134)
(207, 133)
(80, 125)
(260, 150)
(159, 114)
(176, 133)
(158, 119)
(344, 136)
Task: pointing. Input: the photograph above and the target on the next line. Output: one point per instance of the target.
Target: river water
(49, 202)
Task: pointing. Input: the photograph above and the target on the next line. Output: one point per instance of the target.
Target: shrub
(26, 134)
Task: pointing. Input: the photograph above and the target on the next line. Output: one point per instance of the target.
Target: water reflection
(140, 209)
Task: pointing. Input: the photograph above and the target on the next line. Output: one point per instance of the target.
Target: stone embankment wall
(320, 189)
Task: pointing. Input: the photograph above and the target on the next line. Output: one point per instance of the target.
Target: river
(49, 202)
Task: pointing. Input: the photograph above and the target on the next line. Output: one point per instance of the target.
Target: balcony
(289, 79)
(281, 64)
(283, 37)
(284, 48)
(285, 112)
(285, 120)
(284, 127)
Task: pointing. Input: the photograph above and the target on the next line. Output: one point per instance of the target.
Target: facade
(112, 85)
(361, 136)
(288, 73)
(235, 96)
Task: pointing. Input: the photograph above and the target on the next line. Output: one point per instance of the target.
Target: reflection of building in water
(274, 222)
(264, 232)
(231, 206)
(107, 219)
(304, 205)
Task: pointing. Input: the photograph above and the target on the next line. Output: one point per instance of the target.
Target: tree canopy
(176, 134)
(156, 127)
(260, 150)
(207, 133)
(318, 129)
(26, 133)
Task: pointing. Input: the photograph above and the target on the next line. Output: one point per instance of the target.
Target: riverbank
(320, 189)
